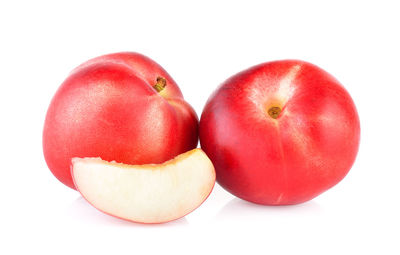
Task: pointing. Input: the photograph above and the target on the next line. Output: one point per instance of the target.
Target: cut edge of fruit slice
(150, 193)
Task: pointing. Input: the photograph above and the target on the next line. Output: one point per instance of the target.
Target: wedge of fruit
(151, 193)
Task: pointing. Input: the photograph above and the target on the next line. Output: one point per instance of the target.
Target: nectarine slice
(151, 193)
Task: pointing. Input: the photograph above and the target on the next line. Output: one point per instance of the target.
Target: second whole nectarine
(280, 132)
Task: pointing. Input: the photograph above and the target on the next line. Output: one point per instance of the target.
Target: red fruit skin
(308, 149)
(108, 108)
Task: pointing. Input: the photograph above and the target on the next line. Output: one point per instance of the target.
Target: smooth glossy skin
(108, 108)
(306, 150)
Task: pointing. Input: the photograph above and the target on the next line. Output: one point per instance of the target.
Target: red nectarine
(122, 107)
(280, 132)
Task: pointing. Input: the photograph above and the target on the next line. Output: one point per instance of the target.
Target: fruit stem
(160, 84)
(274, 112)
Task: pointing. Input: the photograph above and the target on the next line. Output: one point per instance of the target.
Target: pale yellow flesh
(146, 193)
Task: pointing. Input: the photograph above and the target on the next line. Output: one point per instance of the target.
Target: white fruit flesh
(151, 193)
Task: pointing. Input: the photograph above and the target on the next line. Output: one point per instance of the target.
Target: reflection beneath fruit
(238, 208)
(81, 210)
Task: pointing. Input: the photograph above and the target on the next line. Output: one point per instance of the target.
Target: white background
(201, 44)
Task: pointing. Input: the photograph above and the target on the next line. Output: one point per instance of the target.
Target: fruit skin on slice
(151, 193)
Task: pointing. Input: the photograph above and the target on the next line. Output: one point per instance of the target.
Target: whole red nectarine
(122, 107)
(280, 132)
